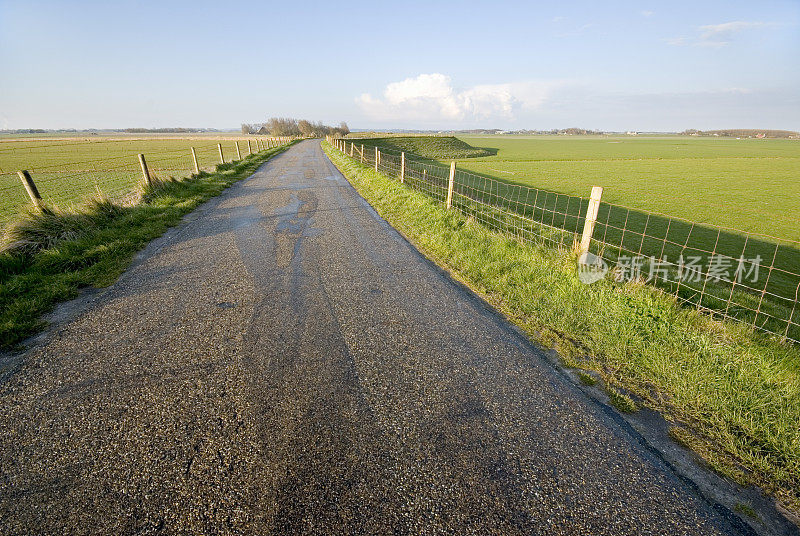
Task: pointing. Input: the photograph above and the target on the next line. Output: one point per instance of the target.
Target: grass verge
(47, 257)
(735, 394)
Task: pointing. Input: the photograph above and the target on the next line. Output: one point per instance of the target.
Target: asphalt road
(285, 362)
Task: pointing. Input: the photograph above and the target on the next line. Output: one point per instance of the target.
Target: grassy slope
(106, 239)
(433, 147)
(726, 182)
(734, 397)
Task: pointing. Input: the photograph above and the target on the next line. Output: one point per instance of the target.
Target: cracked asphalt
(284, 362)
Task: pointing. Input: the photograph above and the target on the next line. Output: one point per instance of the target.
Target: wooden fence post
(450, 183)
(30, 187)
(362, 153)
(238, 152)
(352, 145)
(377, 157)
(249, 148)
(221, 158)
(591, 218)
(194, 157)
(145, 171)
(402, 166)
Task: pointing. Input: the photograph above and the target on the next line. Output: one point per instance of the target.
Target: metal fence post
(450, 183)
(591, 218)
(30, 187)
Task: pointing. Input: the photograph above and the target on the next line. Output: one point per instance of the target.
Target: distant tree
(287, 126)
(283, 126)
(306, 128)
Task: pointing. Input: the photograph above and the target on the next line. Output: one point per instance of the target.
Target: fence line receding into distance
(117, 177)
(730, 274)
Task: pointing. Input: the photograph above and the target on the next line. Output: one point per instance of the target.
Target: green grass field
(68, 170)
(663, 198)
(749, 184)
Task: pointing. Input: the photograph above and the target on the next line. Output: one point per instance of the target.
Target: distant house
(631, 133)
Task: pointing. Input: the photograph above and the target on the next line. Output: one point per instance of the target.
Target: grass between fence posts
(47, 256)
(731, 394)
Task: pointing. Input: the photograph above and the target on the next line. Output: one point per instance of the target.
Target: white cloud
(432, 97)
(647, 13)
(717, 35)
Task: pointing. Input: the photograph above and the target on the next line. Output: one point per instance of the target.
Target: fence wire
(730, 274)
(68, 173)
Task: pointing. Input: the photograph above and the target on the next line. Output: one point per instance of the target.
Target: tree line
(287, 126)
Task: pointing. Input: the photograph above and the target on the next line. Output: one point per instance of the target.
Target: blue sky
(539, 65)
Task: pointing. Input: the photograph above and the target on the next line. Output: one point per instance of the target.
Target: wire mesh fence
(68, 172)
(730, 274)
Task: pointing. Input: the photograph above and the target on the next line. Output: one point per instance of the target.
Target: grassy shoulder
(47, 258)
(732, 396)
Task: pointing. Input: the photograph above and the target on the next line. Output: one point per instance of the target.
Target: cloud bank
(432, 101)
(432, 97)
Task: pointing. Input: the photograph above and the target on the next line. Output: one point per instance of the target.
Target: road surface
(284, 362)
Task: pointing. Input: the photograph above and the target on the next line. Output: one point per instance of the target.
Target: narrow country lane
(284, 362)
